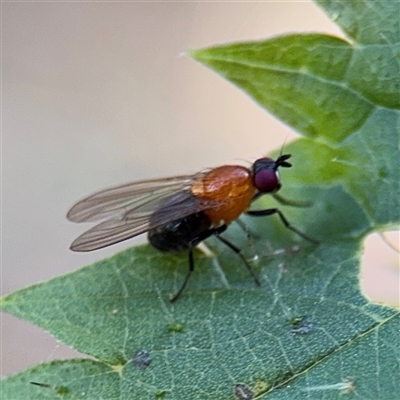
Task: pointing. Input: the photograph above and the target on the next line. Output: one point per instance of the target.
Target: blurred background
(97, 94)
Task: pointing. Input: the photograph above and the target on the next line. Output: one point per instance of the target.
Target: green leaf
(69, 379)
(308, 332)
(213, 337)
(297, 77)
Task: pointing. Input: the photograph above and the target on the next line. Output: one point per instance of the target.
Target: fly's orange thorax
(230, 187)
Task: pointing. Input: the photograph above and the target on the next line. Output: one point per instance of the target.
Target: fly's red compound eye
(266, 180)
(265, 175)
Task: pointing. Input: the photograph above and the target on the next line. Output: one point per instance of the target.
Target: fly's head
(266, 175)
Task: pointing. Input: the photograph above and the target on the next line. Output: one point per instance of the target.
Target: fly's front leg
(284, 201)
(291, 203)
(271, 211)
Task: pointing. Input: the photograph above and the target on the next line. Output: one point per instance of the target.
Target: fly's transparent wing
(134, 223)
(134, 208)
(139, 196)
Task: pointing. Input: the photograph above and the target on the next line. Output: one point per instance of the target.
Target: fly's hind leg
(291, 203)
(187, 277)
(202, 236)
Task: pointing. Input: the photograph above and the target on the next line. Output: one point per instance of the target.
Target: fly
(180, 212)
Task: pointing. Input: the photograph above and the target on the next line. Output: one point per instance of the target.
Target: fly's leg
(239, 253)
(217, 232)
(203, 236)
(271, 211)
(284, 201)
(187, 277)
(249, 233)
(291, 203)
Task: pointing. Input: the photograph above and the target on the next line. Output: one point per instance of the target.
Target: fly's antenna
(281, 161)
(283, 146)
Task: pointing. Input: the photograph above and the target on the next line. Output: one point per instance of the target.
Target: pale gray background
(96, 94)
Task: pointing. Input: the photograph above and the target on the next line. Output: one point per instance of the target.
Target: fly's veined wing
(139, 196)
(134, 223)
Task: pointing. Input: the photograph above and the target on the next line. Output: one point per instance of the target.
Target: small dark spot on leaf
(175, 327)
(62, 390)
(242, 392)
(383, 173)
(301, 325)
(160, 394)
(282, 378)
(329, 207)
(261, 387)
(121, 362)
(141, 359)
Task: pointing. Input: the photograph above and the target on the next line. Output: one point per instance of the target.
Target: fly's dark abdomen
(181, 234)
